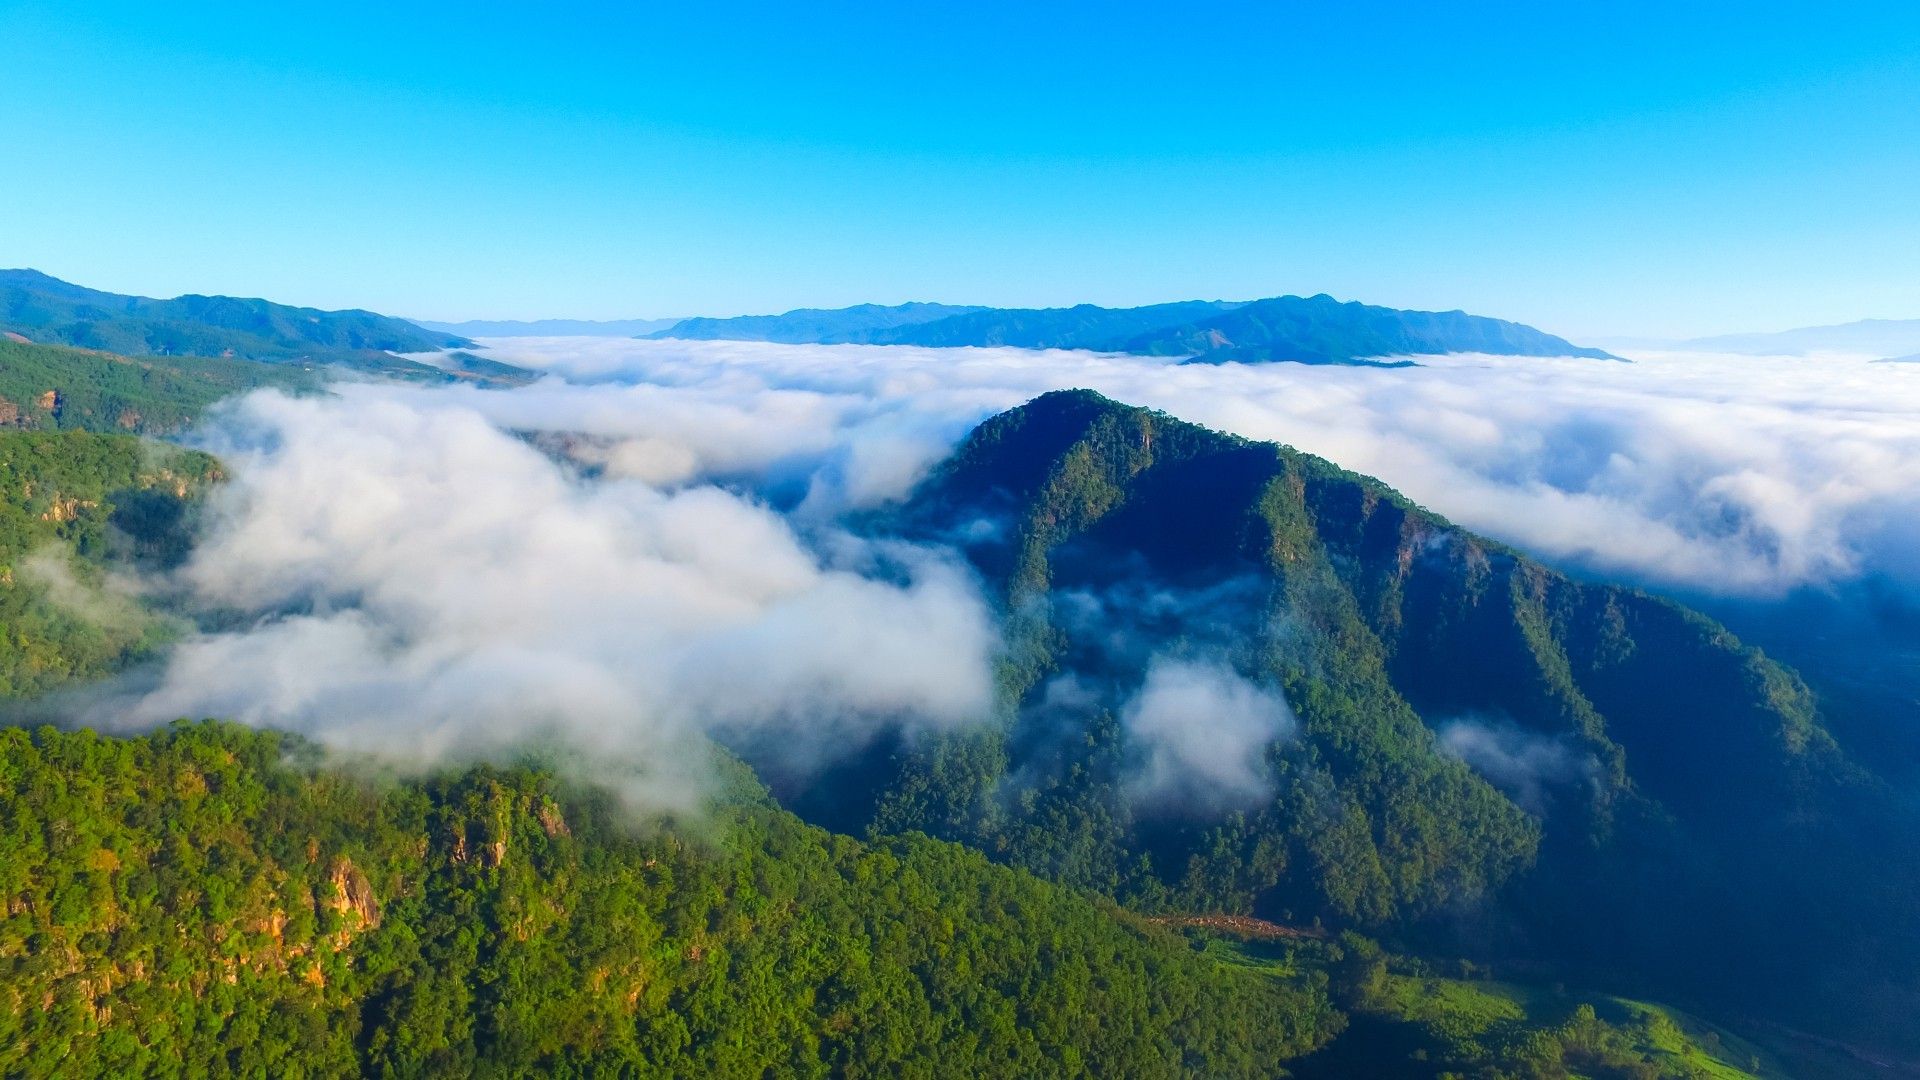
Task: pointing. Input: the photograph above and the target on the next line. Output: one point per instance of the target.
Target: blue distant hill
(858, 325)
(479, 328)
(1307, 330)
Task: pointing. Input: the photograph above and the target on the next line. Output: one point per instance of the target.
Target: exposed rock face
(551, 820)
(351, 896)
(64, 510)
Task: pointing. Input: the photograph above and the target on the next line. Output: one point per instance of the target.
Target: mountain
(1322, 330)
(1486, 756)
(1877, 337)
(47, 310)
(1311, 330)
(805, 326)
(1082, 327)
(1914, 359)
(478, 328)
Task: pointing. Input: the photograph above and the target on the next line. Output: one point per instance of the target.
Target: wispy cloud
(1198, 733)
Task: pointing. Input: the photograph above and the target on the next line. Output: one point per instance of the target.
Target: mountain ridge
(48, 310)
(1879, 337)
(812, 326)
(1312, 330)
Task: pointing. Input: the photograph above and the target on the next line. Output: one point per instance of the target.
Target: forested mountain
(1308, 330)
(1489, 755)
(36, 307)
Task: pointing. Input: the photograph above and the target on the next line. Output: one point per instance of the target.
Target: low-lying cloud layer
(408, 579)
(642, 551)
(1729, 474)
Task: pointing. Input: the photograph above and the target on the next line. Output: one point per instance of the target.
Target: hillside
(207, 899)
(1490, 756)
(1311, 330)
(52, 387)
(46, 310)
(71, 504)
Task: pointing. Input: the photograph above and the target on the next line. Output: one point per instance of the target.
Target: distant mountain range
(1308, 330)
(1880, 337)
(1914, 359)
(42, 309)
(856, 325)
(479, 328)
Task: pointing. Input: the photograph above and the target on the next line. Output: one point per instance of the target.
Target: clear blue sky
(1591, 168)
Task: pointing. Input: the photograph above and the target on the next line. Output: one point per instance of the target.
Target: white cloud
(1526, 765)
(1199, 733)
(1734, 474)
(413, 581)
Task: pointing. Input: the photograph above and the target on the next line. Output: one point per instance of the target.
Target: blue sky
(1589, 168)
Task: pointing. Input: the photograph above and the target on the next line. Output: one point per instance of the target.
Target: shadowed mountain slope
(1487, 752)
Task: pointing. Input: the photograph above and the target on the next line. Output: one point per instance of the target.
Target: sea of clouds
(1715, 473)
(642, 550)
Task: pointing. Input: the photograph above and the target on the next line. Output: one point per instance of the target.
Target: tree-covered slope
(49, 310)
(52, 387)
(71, 504)
(1488, 753)
(199, 902)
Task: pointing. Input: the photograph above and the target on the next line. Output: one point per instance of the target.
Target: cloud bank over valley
(649, 547)
(1719, 474)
